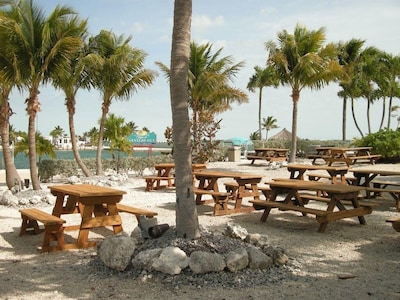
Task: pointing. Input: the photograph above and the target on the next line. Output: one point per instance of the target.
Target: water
(22, 161)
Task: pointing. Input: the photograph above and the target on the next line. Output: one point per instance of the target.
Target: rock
(145, 223)
(235, 231)
(205, 262)
(73, 180)
(172, 260)
(136, 235)
(35, 199)
(258, 259)
(9, 199)
(116, 251)
(277, 254)
(144, 259)
(237, 260)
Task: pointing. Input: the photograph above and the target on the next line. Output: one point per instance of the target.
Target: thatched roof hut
(284, 134)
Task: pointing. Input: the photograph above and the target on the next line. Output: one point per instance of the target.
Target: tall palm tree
(208, 82)
(42, 47)
(187, 223)
(262, 77)
(43, 146)
(268, 124)
(349, 54)
(392, 67)
(56, 133)
(76, 79)
(117, 71)
(301, 61)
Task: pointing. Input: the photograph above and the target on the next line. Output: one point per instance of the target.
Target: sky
(241, 28)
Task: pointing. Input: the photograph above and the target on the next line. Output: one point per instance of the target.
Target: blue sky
(241, 28)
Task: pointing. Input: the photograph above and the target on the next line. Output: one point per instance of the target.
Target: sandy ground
(348, 261)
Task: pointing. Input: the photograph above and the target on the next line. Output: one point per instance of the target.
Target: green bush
(385, 142)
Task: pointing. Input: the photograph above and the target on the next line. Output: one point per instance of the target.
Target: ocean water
(22, 161)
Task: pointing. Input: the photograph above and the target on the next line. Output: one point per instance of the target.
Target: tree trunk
(75, 151)
(99, 166)
(259, 113)
(354, 118)
(187, 224)
(344, 118)
(383, 113)
(293, 147)
(12, 176)
(390, 111)
(33, 107)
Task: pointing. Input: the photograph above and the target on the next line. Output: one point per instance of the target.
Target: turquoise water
(22, 162)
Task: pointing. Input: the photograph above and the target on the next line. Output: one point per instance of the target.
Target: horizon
(241, 29)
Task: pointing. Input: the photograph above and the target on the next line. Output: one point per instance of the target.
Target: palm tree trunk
(12, 176)
(75, 150)
(368, 115)
(99, 166)
(33, 106)
(187, 223)
(390, 111)
(354, 118)
(259, 113)
(344, 118)
(293, 147)
(383, 113)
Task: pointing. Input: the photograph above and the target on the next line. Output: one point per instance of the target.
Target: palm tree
(349, 54)
(187, 223)
(43, 146)
(301, 61)
(262, 78)
(42, 47)
(56, 133)
(117, 70)
(268, 124)
(209, 90)
(117, 132)
(70, 81)
(392, 67)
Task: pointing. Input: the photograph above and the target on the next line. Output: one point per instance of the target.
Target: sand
(348, 261)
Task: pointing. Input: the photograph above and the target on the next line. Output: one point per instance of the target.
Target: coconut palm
(209, 76)
(349, 54)
(77, 79)
(117, 132)
(268, 124)
(262, 77)
(56, 133)
(392, 67)
(187, 223)
(117, 71)
(43, 146)
(43, 47)
(301, 61)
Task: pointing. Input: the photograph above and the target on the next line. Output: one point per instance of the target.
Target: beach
(348, 261)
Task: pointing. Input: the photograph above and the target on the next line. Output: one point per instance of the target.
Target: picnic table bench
(53, 228)
(293, 202)
(350, 156)
(268, 154)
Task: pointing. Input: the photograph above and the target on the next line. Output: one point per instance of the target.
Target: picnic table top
(315, 185)
(380, 169)
(86, 190)
(222, 174)
(317, 167)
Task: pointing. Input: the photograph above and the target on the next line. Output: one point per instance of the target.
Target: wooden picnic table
(339, 196)
(268, 154)
(336, 173)
(164, 173)
(320, 152)
(208, 184)
(97, 206)
(350, 156)
(367, 176)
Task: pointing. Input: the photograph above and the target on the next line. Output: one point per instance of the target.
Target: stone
(144, 259)
(277, 254)
(258, 259)
(116, 251)
(172, 260)
(73, 180)
(205, 262)
(145, 223)
(235, 231)
(237, 260)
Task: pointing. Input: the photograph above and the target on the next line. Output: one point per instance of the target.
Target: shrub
(385, 142)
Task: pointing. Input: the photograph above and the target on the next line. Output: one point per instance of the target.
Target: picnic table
(164, 173)
(268, 154)
(340, 196)
(208, 185)
(320, 152)
(350, 156)
(378, 178)
(97, 206)
(336, 173)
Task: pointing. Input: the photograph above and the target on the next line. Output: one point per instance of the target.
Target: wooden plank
(284, 206)
(110, 220)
